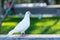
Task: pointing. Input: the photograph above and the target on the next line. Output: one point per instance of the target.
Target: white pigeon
(23, 25)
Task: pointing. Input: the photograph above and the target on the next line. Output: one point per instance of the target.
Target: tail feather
(11, 32)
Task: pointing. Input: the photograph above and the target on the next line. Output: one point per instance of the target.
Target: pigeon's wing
(22, 26)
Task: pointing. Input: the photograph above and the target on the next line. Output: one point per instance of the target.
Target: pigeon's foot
(23, 34)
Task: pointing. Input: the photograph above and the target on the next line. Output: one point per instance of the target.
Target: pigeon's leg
(23, 34)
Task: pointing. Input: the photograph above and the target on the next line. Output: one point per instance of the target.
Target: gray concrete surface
(30, 37)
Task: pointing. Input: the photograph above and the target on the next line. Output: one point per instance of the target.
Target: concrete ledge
(32, 36)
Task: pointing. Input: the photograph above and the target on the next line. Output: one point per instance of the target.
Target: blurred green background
(46, 25)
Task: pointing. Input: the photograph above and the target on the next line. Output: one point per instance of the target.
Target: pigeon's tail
(11, 32)
(8, 35)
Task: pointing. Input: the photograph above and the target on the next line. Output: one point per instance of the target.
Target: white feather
(23, 25)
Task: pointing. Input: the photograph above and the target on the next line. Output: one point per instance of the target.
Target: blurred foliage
(2, 2)
(34, 1)
(42, 26)
(57, 1)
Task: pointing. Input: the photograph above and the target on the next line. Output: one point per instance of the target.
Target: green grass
(43, 26)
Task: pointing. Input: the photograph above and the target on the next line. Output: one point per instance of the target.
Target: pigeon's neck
(27, 17)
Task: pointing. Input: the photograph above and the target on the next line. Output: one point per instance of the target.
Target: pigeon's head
(28, 13)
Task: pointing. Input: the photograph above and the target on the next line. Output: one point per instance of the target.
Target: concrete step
(31, 37)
